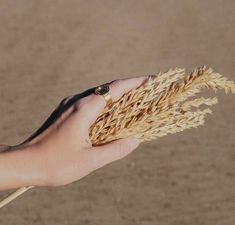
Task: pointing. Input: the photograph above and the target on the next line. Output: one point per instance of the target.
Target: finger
(102, 155)
(91, 106)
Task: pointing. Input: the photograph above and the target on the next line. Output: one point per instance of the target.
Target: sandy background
(51, 49)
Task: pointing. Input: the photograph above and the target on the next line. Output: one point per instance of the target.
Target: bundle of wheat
(167, 103)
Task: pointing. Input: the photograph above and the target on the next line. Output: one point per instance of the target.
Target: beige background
(51, 49)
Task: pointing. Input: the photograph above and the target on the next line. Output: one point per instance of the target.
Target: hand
(63, 153)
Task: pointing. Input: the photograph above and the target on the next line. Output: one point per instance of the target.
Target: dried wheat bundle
(167, 103)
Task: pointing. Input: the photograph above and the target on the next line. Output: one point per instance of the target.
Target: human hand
(63, 153)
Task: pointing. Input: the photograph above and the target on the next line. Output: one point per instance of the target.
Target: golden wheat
(165, 104)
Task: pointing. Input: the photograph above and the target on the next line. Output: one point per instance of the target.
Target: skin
(63, 153)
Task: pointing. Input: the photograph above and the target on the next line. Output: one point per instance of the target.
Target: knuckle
(119, 85)
(116, 83)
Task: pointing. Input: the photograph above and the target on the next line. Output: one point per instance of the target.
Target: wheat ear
(163, 105)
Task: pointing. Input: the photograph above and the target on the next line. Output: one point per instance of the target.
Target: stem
(14, 195)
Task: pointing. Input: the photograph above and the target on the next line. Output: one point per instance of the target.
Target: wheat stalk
(166, 104)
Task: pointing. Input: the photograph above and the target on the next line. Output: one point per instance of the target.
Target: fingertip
(134, 142)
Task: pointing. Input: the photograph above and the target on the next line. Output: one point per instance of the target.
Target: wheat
(163, 105)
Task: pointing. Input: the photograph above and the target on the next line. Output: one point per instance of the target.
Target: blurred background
(52, 49)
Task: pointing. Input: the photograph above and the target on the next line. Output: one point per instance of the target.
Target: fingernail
(134, 142)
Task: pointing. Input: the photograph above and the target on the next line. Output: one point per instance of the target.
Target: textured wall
(51, 49)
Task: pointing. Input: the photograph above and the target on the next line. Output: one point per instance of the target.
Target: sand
(53, 49)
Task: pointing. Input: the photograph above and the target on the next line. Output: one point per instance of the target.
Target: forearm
(23, 167)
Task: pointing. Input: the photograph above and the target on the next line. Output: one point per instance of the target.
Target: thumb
(112, 151)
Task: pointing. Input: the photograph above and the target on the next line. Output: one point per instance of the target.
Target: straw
(14, 195)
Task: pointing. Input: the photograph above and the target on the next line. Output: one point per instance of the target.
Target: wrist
(22, 167)
(35, 171)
